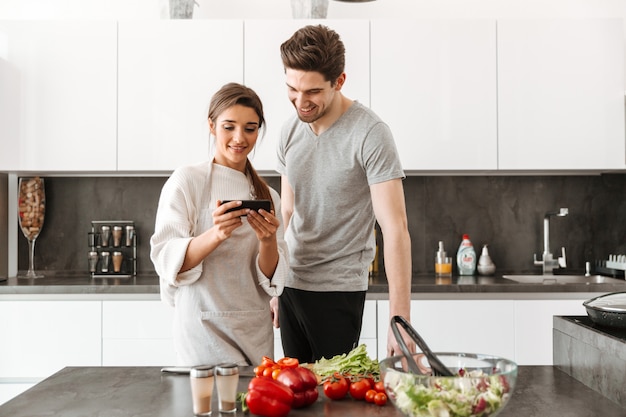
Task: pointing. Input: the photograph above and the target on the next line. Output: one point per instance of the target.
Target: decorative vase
(309, 9)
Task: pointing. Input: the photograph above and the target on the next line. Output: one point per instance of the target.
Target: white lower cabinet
(41, 337)
(137, 333)
(533, 327)
(520, 330)
(474, 326)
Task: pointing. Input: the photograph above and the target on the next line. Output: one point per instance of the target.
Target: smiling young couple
(231, 275)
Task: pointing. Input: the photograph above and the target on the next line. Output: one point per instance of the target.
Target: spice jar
(201, 378)
(227, 377)
(93, 261)
(117, 236)
(117, 261)
(104, 266)
(105, 235)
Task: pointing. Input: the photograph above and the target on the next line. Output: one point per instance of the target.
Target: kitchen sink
(564, 279)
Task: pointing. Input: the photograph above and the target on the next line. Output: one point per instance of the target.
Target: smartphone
(252, 205)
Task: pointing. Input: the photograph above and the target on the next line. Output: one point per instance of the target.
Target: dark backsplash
(505, 212)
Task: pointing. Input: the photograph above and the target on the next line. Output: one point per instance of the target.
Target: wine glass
(32, 209)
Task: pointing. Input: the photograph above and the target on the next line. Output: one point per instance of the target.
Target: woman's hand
(225, 223)
(264, 224)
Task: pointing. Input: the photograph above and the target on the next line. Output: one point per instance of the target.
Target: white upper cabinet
(561, 94)
(434, 84)
(64, 116)
(265, 74)
(168, 72)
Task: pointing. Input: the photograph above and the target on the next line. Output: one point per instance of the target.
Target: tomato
(267, 362)
(275, 373)
(359, 388)
(267, 372)
(379, 386)
(380, 399)
(336, 387)
(369, 395)
(287, 362)
(258, 371)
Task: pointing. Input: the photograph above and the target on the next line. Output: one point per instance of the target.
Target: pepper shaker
(117, 261)
(201, 378)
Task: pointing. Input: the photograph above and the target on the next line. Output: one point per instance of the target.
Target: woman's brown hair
(232, 94)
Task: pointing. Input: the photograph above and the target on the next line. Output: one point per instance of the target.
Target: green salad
(469, 394)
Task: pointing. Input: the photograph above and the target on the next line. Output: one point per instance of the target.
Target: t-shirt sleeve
(380, 155)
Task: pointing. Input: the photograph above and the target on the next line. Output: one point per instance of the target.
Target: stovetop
(585, 321)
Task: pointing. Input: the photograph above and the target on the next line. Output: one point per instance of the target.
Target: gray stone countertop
(77, 283)
(143, 391)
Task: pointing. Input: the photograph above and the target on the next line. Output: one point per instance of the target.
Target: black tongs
(438, 368)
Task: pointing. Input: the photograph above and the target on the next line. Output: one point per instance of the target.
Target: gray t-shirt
(330, 234)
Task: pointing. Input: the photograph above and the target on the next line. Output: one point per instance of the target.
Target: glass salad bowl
(481, 385)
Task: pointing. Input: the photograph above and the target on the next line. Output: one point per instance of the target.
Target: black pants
(319, 324)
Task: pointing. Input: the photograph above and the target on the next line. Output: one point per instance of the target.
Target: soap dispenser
(485, 264)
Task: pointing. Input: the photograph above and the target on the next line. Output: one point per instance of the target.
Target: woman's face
(236, 131)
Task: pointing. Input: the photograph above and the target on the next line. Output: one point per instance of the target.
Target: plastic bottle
(443, 264)
(485, 264)
(466, 257)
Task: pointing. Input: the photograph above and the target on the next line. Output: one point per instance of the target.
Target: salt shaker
(227, 377)
(201, 378)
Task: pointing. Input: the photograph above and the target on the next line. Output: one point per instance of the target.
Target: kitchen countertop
(423, 285)
(143, 391)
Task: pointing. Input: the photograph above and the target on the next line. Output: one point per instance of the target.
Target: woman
(219, 270)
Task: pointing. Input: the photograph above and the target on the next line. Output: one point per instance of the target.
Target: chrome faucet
(548, 262)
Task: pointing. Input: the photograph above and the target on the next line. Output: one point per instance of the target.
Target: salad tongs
(438, 368)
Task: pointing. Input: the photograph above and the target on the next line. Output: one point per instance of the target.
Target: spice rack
(112, 249)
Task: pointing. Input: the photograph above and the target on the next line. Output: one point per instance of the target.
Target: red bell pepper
(269, 398)
(303, 382)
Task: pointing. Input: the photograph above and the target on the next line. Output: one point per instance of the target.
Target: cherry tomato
(275, 373)
(380, 399)
(379, 386)
(369, 395)
(358, 389)
(268, 372)
(258, 371)
(336, 387)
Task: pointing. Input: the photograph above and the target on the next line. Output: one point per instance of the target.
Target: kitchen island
(122, 321)
(541, 391)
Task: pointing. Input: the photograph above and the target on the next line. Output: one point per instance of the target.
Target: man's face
(310, 94)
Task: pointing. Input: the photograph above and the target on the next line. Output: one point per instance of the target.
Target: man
(340, 174)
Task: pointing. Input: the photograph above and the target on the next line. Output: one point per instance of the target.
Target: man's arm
(286, 209)
(390, 210)
(286, 200)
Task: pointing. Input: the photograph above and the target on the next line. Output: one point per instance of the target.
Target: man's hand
(274, 311)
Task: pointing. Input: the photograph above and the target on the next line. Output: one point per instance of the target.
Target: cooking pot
(608, 309)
